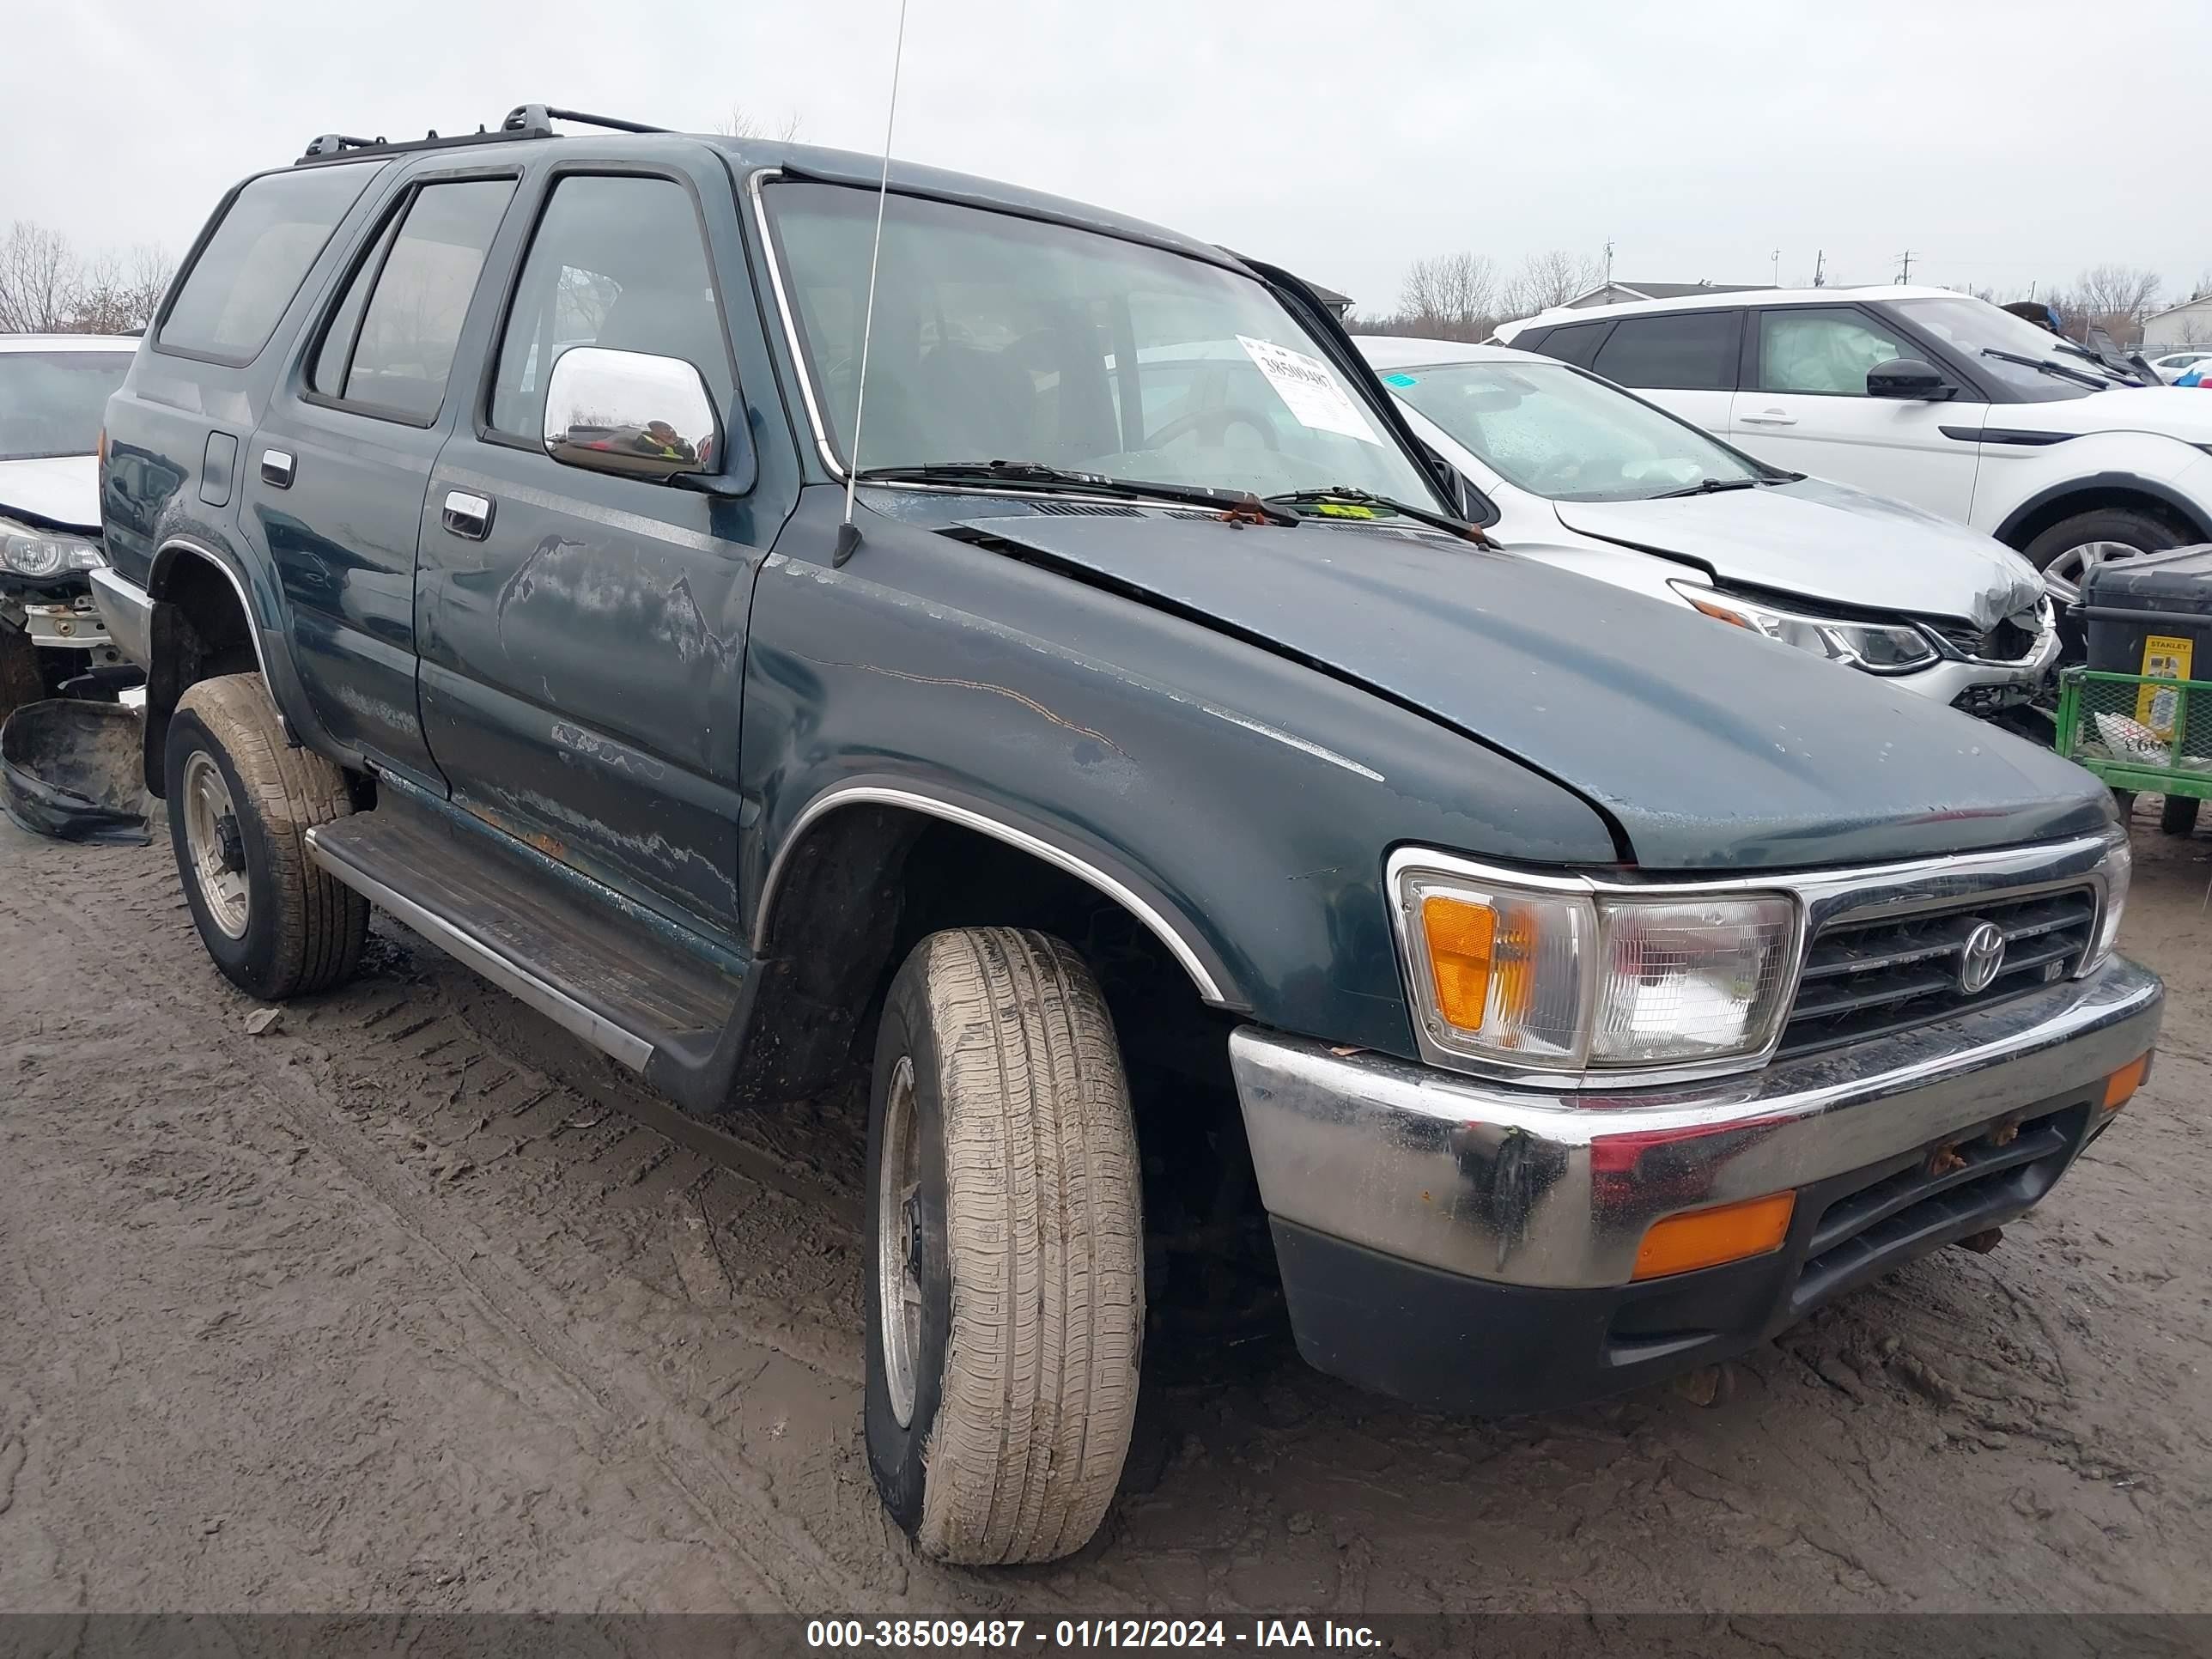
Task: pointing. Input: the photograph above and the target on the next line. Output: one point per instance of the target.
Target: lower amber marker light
(2123, 1083)
(1706, 1238)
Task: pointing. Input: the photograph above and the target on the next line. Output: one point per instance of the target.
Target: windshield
(52, 401)
(1975, 327)
(1567, 436)
(1003, 338)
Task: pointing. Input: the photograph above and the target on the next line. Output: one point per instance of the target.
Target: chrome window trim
(1860, 893)
(885, 794)
(823, 446)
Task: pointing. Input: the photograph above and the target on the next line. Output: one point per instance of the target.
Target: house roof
(2186, 305)
(1667, 290)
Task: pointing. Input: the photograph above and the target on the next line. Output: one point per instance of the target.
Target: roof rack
(523, 121)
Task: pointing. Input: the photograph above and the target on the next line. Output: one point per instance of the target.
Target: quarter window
(616, 262)
(422, 285)
(274, 230)
(1574, 343)
(1808, 349)
(1693, 352)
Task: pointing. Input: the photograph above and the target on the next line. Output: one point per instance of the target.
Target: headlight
(40, 553)
(1878, 647)
(1558, 978)
(2119, 871)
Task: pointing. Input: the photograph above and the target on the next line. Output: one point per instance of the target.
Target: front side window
(276, 227)
(422, 285)
(1693, 352)
(1808, 349)
(1004, 338)
(52, 401)
(1561, 435)
(618, 263)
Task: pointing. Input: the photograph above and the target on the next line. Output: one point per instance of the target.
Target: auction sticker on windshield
(1309, 390)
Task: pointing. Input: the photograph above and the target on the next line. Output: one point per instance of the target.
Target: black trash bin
(2153, 615)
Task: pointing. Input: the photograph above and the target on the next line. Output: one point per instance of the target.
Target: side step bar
(629, 982)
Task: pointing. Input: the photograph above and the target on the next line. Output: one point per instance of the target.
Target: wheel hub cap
(898, 1244)
(215, 846)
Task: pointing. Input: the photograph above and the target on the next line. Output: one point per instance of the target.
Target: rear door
(1684, 360)
(335, 474)
(1804, 406)
(583, 633)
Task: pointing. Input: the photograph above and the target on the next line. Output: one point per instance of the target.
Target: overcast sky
(2001, 141)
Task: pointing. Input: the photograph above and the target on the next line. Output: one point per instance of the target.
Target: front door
(335, 474)
(1804, 406)
(583, 633)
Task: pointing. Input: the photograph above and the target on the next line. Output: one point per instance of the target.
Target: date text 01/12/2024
(844, 1634)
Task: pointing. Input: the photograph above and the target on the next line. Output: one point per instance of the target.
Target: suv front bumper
(1470, 1246)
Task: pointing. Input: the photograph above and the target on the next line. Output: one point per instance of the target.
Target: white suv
(1923, 394)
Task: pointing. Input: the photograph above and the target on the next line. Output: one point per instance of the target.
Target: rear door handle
(1772, 417)
(277, 468)
(468, 515)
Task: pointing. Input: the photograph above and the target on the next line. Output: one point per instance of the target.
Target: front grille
(1979, 1179)
(1863, 979)
(2008, 641)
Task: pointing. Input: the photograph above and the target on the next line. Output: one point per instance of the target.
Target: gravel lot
(397, 1305)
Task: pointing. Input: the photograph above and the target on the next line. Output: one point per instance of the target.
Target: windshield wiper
(1713, 487)
(1038, 474)
(1354, 496)
(2121, 373)
(2044, 365)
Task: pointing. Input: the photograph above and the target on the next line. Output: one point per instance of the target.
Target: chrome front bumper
(128, 612)
(1525, 1188)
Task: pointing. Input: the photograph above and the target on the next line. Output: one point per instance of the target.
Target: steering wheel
(1220, 420)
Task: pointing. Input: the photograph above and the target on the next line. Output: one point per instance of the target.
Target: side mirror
(1909, 377)
(632, 414)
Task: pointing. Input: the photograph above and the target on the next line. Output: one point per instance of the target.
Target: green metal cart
(2143, 735)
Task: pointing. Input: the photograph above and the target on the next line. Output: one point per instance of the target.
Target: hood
(62, 491)
(1707, 746)
(1826, 542)
(2171, 411)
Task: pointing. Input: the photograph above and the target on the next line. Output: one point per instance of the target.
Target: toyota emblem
(1981, 958)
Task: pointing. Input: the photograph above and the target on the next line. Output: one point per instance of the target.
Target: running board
(628, 985)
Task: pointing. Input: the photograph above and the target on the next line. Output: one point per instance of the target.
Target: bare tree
(37, 274)
(1550, 279)
(1449, 296)
(116, 297)
(743, 123)
(2115, 298)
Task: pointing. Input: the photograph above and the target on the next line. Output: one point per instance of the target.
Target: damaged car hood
(1709, 747)
(61, 490)
(1825, 542)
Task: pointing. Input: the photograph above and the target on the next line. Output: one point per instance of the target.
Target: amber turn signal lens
(2124, 1082)
(1705, 1238)
(1462, 938)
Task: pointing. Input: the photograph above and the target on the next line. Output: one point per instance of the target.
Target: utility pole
(1776, 257)
(1905, 273)
(1608, 261)
(1821, 268)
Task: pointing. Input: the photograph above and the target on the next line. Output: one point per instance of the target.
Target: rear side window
(1695, 352)
(418, 281)
(228, 302)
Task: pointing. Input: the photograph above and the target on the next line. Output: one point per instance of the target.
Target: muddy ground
(394, 1305)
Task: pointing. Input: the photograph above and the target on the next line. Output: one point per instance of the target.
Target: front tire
(2177, 816)
(2070, 548)
(241, 800)
(1005, 1281)
(21, 680)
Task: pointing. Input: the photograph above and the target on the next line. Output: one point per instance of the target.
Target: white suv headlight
(1542, 977)
(1878, 647)
(39, 554)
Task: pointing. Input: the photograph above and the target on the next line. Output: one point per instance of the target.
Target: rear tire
(1005, 1219)
(21, 680)
(241, 799)
(2178, 817)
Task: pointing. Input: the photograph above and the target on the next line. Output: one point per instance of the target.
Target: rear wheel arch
(2102, 492)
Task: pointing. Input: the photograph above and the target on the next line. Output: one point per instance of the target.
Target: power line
(1905, 273)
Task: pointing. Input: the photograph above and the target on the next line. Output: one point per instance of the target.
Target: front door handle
(1772, 417)
(468, 515)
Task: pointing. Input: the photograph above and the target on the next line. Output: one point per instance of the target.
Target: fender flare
(2191, 513)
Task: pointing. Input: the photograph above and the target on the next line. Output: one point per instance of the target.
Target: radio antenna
(848, 533)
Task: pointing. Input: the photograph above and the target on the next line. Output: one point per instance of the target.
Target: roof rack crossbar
(531, 117)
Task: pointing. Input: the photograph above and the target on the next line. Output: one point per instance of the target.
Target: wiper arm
(2044, 365)
(1714, 487)
(1037, 474)
(1356, 497)
(2120, 374)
